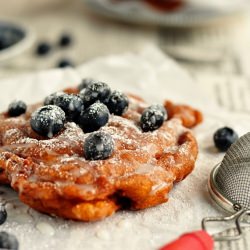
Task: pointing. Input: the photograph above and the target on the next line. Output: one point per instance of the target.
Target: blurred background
(205, 37)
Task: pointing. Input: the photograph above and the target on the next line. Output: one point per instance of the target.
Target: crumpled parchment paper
(155, 77)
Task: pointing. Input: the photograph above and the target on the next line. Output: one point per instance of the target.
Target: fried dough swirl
(53, 177)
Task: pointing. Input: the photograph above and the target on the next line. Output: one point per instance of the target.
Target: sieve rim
(216, 194)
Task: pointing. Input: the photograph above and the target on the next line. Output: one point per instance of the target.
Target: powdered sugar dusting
(48, 120)
(96, 108)
(49, 111)
(50, 99)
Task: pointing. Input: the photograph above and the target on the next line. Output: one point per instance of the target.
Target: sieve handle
(198, 240)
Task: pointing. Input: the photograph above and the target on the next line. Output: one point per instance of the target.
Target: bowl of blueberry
(14, 39)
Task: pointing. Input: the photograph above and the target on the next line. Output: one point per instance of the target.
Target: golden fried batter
(52, 175)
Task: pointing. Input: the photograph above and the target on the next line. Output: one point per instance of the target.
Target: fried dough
(53, 177)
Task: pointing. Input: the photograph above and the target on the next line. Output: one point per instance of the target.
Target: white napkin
(155, 77)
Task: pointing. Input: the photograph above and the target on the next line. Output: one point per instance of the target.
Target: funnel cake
(53, 177)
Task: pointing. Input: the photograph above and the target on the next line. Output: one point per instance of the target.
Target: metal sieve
(229, 185)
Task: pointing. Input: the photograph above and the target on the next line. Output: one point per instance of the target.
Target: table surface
(224, 48)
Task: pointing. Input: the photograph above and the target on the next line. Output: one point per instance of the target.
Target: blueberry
(50, 100)
(117, 103)
(8, 241)
(3, 214)
(160, 107)
(97, 91)
(17, 108)
(63, 63)
(85, 83)
(224, 138)
(72, 105)
(43, 49)
(48, 120)
(94, 117)
(152, 118)
(65, 40)
(98, 146)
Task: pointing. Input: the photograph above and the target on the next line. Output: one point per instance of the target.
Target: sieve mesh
(233, 175)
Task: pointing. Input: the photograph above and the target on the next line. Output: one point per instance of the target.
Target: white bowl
(24, 39)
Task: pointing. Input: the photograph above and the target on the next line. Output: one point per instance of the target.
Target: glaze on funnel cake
(135, 170)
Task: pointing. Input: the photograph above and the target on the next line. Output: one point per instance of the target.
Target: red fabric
(199, 240)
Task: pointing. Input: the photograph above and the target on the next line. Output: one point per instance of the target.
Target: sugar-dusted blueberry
(117, 103)
(50, 100)
(159, 107)
(85, 83)
(3, 214)
(98, 146)
(48, 120)
(152, 118)
(17, 108)
(97, 91)
(224, 138)
(8, 241)
(72, 105)
(94, 117)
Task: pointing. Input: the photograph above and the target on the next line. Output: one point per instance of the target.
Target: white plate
(191, 14)
(24, 39)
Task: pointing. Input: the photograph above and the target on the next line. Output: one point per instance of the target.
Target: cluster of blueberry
(7, 241)
(90, 109)
(44, 48)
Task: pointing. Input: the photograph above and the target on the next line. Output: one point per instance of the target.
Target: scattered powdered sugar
(183, 149)
(148, 168)
(45, 228)
(48, 120)
(51, 98)
(23, 218)
(123, 224)
(96, 108)
(86, 82)
(52, 111)
(103, 234)
(95, 91)
(158, 187)
(98, 145)
(158, 107)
